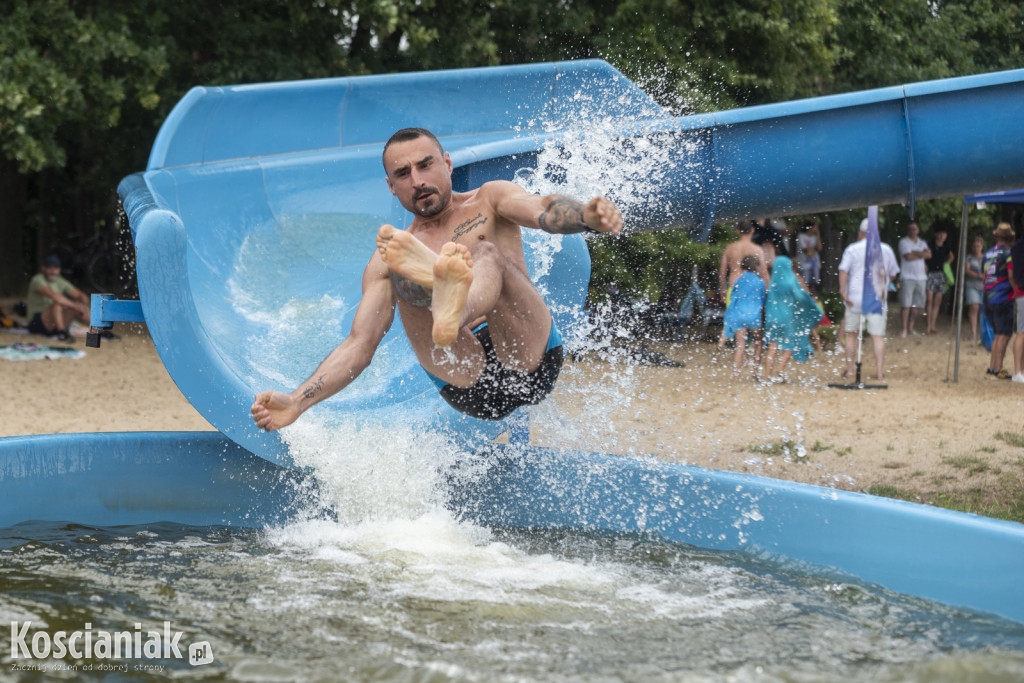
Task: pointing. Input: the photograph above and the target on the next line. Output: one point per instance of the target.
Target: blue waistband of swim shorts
(554, 339)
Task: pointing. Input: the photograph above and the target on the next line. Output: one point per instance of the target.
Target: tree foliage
(67, 75)
(85, 84)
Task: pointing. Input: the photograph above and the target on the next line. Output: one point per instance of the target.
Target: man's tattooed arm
(563, 216)
(315, 386)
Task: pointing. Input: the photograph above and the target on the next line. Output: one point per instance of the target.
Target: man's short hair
(406, 134)
(744, 227)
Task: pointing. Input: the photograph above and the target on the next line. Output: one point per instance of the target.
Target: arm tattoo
(311, 390)
(468, 226)
(563, 216)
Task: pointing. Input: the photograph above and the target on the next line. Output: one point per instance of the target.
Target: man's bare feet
(406, 255)
(453, 274)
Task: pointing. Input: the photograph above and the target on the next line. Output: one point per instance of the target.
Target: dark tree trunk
(16, 247)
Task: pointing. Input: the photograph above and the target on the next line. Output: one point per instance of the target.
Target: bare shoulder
(499, 189)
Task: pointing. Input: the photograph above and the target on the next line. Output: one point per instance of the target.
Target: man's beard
(430, 210)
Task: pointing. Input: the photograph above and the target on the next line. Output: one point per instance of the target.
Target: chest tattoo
(468, 226)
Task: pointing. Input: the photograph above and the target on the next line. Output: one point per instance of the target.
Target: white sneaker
(1019, 377)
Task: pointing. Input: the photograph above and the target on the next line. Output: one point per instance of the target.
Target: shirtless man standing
(458, 276)
(729, 270)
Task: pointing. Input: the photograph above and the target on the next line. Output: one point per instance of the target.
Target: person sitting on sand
(458, 276)
(746, 306)
(52, 303)
(790, 315)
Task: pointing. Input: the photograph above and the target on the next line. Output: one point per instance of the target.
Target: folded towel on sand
(37, 352)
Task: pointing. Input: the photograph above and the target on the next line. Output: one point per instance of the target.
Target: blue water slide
(260, 204)
(257, 215)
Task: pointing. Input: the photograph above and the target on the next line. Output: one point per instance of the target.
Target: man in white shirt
(851, 286)
(914, 276)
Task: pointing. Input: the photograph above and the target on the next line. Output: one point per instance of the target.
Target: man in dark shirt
(937, 282)
(770, 240)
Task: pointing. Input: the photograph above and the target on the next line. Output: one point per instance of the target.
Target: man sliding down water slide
(458, 274)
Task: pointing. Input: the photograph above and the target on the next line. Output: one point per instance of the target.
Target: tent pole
(961, 268)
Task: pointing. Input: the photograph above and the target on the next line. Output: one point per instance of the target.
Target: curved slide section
(116, 478)
(202, 478)
(260, 205)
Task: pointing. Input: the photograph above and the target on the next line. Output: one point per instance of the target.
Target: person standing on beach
(808, 253)
(730, 270)
(770, 239)
(914, 253)
(941, 256)
(1016, 273)
(458, 277)
(851, 287)
(974, 283)
(745, 313)
(999, 299)
(790, 315)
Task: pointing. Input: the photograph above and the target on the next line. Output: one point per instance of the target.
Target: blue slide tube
(266, 198)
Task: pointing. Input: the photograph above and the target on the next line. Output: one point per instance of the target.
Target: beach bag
(950, 280)
(986, 332)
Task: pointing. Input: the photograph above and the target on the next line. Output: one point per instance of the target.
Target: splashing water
(379, 580)
(430, 598)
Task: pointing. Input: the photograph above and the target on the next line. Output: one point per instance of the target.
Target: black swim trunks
(500, 389)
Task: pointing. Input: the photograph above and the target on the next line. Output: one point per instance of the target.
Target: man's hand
(602, 215)
(273, 410)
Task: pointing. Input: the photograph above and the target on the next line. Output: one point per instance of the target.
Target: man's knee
(486, 250)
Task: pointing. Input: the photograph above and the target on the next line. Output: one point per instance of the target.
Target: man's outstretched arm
(554, 213)
(275, 409)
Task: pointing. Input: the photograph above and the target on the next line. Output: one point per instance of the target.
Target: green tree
(67, 76)
(717, 54)
(85, 84)
(880, 43)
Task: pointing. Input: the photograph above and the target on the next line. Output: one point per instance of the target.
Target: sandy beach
(924, 435)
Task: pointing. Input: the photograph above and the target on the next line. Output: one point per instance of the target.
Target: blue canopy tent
(1001, 197)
